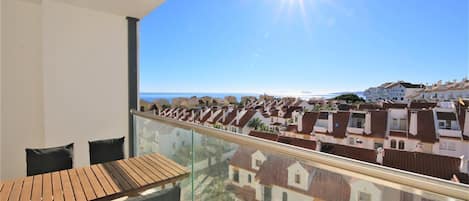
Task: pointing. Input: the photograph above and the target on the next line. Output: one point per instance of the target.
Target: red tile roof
(367, 155)
(242, 158)
(292, 128)
(205, 118)
(308, 121)
(216, 118)
(428, 164)
(245, 118)
(379, 124)
(394, 105)
(230, 117)
(307, 144)
(263, 135)
(339, 124)
(323, 185)
(426, 126)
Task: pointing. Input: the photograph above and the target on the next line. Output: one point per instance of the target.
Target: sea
(151, 96)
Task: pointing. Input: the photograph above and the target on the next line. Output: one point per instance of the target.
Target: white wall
(63, 79)
(22, 111)
(85, 77)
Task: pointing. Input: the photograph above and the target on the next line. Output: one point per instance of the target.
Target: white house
(395, 91)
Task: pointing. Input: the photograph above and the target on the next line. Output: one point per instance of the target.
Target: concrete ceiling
(131, 8)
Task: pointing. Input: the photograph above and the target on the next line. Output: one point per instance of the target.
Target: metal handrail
(391, 177)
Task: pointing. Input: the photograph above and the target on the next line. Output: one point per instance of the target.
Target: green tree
(255, 123)
(350, 98)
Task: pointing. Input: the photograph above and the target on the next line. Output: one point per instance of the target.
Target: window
(351, 140)
(401, 144)
(249, 178)
(364, 196)
(236, 176)
(297, 179)
(284, 196)
(399, 124)
(258, 163)
(393, 144)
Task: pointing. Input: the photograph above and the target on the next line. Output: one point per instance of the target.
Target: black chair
(172, 194)
(102, 151)
(39, 161)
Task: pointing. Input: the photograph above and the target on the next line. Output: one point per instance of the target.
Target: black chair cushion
(102, 151)
(46, 160)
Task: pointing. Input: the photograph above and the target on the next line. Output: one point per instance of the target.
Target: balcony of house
(230, 166)
(322, 123)
(448, 125)
(356, 123)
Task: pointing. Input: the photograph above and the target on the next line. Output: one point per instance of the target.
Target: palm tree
(255, 123)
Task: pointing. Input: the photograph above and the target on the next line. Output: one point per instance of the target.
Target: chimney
(413, 123)
(300, 121)
(380, 155)
(237, 116)
(464, 166)
(193, 114)
(224, 115)
(368, 123)
(330, 122)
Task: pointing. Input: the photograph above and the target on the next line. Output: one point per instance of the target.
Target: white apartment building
(449, 91)
(392, 91)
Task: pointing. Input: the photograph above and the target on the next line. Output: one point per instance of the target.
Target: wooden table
(97, 182)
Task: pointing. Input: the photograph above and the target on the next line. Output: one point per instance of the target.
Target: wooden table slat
(154, 175)
(161, 163)
(144, 175)
(116, 176)
(86, 185)
(47, 187)
(99, 182)
(156, 168)
(76, 185)
(16, 190)
(57, 191)
(97, 188)
(37, 188)
(108, 177)
(129, 173)
(108, 188)
(26, 190)
(181, 169)
(67, 186)
(6, 190)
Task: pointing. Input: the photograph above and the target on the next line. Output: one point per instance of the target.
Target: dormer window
(258, 163)
(297, 179)
(357, 120)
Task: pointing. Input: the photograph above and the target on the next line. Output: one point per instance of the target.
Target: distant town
(413, 127)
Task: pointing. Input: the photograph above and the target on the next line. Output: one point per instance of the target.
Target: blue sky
(293, 46)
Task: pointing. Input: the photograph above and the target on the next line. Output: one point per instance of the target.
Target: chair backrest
(39, 161)
(102, 151)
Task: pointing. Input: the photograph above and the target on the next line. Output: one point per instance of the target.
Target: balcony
(222, 168)
(450, 133)
(321, 126)
(355, 130)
